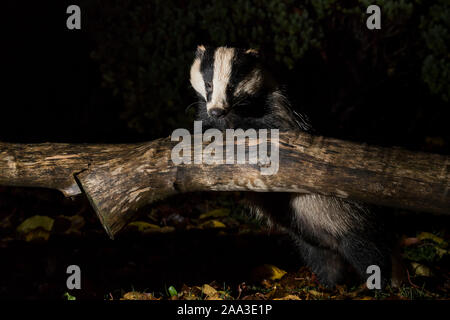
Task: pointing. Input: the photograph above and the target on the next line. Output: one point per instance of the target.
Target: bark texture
(120, 179)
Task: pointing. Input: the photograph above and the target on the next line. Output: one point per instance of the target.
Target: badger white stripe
(251, 84)
(223, 61)
(196, 78)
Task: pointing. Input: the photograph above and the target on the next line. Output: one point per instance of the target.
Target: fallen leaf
(143, 226)
(172, 291)
(289, 297)
(217, 213)
(421, 270)
(224, 295)
(165, 229)
(434, 238)
(208, 290)
(134, 295)
(441, 252)
(68, 296)
(37, 235)
(213, 224)
(315, 293)
(43, 222)
(268, 271)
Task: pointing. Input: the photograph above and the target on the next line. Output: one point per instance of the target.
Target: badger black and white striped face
(224, 77)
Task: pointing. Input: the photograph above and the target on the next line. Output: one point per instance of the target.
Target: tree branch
(120, 179)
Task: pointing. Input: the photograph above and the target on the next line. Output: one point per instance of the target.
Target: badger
(334, 236)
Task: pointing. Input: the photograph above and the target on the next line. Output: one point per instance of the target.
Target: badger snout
(216, 112)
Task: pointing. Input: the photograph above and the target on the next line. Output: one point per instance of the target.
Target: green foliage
(172, 291)
(145, 47)
(431, 249)
(413, 293)
(436, 66)
(426, 253)
(145, 50)
(68, 296)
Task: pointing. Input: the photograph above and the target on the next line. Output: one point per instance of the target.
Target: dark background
(124, 77)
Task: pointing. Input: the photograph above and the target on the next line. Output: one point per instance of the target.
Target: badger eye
(208, 86)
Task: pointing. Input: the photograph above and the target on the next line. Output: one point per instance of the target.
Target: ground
(196, 246)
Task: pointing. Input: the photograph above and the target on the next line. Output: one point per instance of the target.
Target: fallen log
(119, 179)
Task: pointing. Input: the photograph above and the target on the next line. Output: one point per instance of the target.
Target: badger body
(333, 235)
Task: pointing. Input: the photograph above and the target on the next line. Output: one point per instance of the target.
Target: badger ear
(252, 52)
(200, 51)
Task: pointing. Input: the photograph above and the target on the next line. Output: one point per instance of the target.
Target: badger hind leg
(316, 248)
(331, 233)
(362, 253)
(347, 229)
(328, 265)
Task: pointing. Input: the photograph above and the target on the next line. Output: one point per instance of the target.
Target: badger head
(226, 79)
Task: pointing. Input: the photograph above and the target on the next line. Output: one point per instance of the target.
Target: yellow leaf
(289, 297)
(35, 222)
(421, 270)
(315, 293)
(217, 213)
(143, 226)
(430, 236)
(277, 273)
(134, 295)
(441, 252)
(268, 272)
(223, 294)
(213, 224)
(208, 290)
(166, 229)
(37, 234)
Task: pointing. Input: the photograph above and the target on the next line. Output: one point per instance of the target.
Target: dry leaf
(217, 213)
(36, 228)
(143, 226)
(208, 290)
(37, 235)
(43, 222)
(289, 297)
(441, 252)
(315, 293)
(421, 270)
(134, 295)
(268, 271)
(213, 224)
(434, 238)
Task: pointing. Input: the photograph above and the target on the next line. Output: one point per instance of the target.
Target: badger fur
(333, 235)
